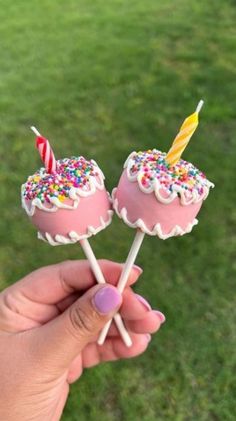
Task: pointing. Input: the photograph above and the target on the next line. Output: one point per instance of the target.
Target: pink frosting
(88, 213)
(145, 206)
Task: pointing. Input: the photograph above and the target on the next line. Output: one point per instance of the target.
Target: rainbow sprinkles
(74, 177)
(153, 173)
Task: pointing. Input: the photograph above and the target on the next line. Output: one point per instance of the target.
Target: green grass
(103, 78)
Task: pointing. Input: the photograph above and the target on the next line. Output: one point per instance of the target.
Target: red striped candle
(46, 152)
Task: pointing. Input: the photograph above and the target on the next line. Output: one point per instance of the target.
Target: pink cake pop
(158, 198)
(69, 204)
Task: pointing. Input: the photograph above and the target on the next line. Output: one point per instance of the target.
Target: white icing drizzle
(73, 236)
(157, 230)
(185, 198)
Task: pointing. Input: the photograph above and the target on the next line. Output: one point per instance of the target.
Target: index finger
(53, 283)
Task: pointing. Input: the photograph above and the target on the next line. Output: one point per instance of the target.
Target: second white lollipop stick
(138, 239)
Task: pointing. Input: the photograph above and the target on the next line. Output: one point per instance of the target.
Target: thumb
(65, 337)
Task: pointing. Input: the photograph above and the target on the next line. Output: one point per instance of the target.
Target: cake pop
(67, 201)
(159, 194)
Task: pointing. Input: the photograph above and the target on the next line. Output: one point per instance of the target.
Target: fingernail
(138, 269)
(160, 315)
(143, 301)
(148, 337)
(107, 299)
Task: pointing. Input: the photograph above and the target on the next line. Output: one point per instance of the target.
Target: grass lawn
(103, 78)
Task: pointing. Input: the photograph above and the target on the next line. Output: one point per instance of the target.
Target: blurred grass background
(103, 78)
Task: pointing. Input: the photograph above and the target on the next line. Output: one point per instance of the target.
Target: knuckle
(104, 262)
(81, 321)
(66, 262)
(62, 265)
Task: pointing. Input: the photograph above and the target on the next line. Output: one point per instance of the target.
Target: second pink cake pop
(159, 194)
(159, 199)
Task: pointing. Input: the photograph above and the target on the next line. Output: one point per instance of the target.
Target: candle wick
(199, 106)
(35, 131)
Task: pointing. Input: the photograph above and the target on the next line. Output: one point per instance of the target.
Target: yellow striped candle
(183, 137)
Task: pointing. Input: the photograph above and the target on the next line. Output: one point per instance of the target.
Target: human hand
(49, 325)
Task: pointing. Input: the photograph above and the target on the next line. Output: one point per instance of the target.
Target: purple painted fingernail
(138, 269)
(143, 301)
(107, 299)
(160, 315)
(148, 337)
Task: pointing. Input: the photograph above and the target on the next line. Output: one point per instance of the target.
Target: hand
(49, 324)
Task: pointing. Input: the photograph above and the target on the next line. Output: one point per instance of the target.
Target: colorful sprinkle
(71, 172)
(151, 165)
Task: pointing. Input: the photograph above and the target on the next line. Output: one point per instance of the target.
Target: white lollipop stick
(138, 239)
(101, 280)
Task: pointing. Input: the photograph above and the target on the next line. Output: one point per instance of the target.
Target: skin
(45, 346)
